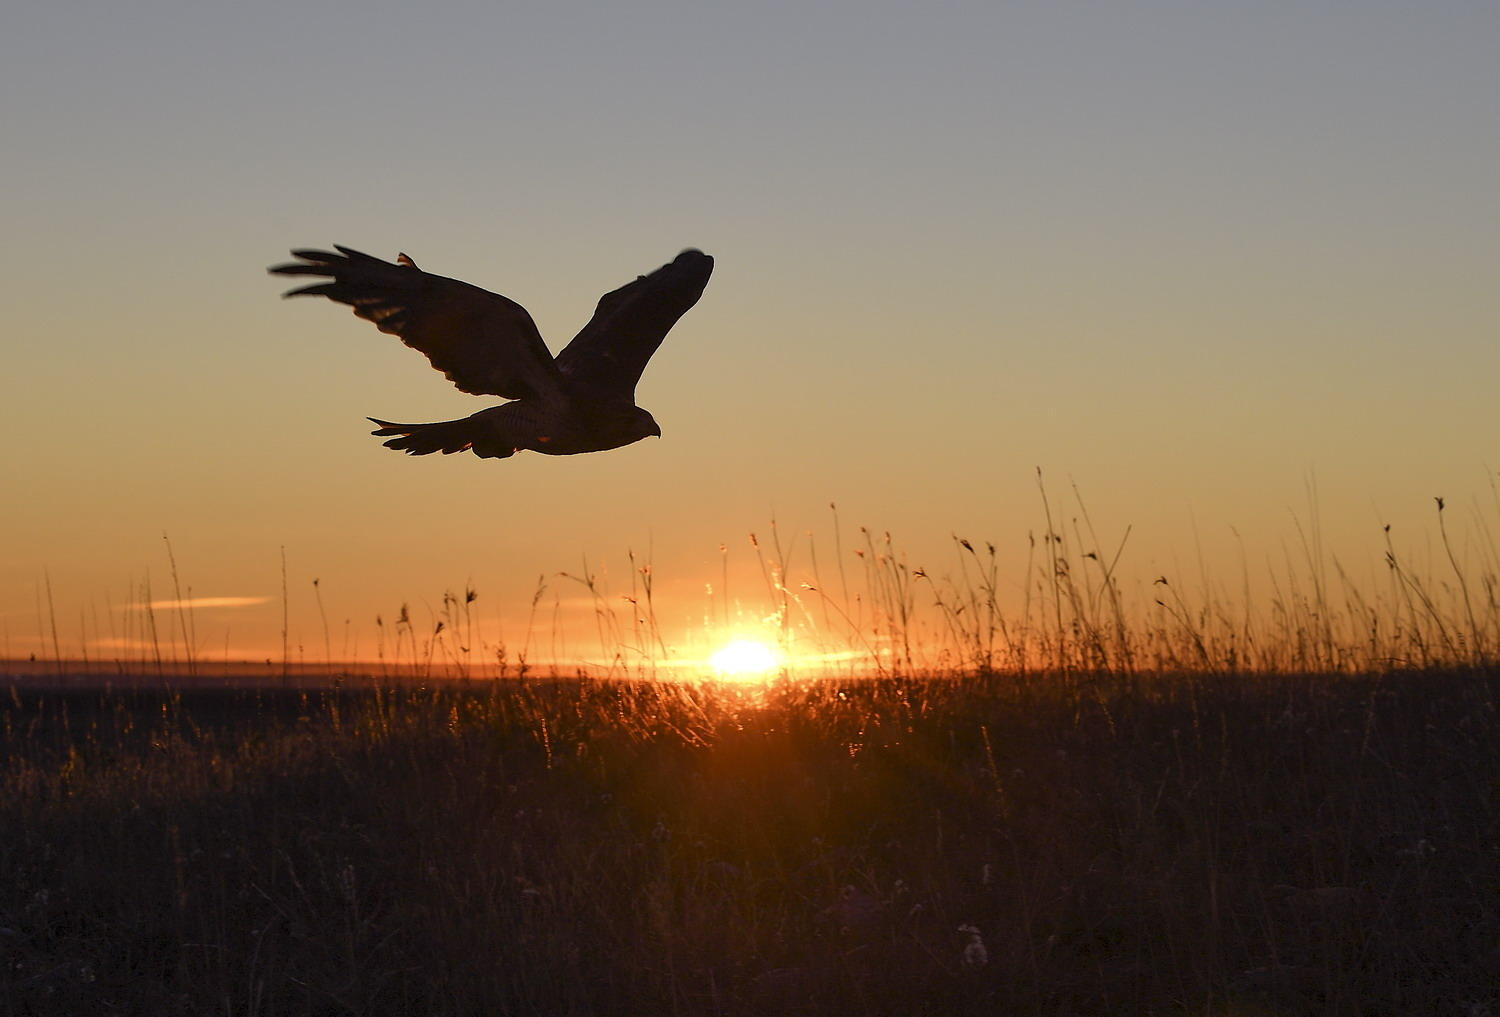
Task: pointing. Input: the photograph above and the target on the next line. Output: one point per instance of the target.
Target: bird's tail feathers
(446, 436)
(475, 433)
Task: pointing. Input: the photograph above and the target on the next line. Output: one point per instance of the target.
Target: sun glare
(744, 658)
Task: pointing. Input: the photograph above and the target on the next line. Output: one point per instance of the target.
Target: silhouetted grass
(1010, 786)
(1062, 600)
(1061, 843)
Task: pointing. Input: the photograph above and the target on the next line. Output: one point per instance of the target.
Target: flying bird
(583, 400)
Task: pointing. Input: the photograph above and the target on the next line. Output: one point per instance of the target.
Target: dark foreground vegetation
(1063, 845)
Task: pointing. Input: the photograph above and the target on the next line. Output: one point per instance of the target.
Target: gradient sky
(1184, 255)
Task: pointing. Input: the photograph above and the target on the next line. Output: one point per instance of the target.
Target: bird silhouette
(581, 401)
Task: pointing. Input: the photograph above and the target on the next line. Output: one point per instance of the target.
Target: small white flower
(974, 955)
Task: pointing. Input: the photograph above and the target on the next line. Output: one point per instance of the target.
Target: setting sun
(744, 658)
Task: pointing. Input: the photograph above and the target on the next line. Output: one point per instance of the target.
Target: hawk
(583, 400)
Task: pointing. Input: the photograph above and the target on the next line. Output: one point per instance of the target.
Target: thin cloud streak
(197, 602)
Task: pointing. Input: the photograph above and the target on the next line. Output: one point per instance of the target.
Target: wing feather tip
(310, 290)
(315, 254)
(353, 255)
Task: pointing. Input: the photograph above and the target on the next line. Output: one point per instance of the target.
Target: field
(1059, 843)
(1087, 796)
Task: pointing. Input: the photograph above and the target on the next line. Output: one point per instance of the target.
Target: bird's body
(581, 401)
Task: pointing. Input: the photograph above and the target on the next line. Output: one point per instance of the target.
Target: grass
(1060, 844)
(1067, 599)
(1003, 788)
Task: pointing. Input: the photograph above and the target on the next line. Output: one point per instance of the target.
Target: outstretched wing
(484, 343)
(606, 359)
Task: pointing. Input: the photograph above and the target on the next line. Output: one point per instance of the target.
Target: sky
(1196, 260)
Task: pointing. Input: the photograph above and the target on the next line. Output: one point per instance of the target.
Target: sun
(744, 658)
